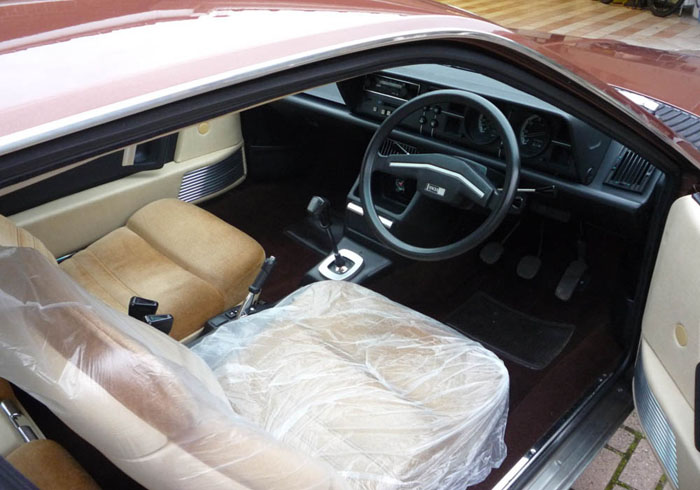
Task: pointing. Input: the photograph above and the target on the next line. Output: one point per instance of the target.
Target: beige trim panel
(73, 222)
(209, 136)
(674, 297)
(670, 346)
(680, 416)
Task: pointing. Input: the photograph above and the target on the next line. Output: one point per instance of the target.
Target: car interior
(425, 221)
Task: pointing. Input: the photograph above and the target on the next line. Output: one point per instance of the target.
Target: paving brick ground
(626, 462)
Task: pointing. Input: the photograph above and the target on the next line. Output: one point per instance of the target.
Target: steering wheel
(447, 178)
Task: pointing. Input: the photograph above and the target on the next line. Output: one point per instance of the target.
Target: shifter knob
(319, 207)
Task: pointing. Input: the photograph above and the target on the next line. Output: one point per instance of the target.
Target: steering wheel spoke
(443, 177)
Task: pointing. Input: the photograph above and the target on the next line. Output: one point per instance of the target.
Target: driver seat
(335, 387)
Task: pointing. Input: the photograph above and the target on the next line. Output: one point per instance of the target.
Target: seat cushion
(388, 397)
(122, 264)
(194, 264)
(201, 243)
(50, 467)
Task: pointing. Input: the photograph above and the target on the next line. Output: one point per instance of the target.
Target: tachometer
(534, 136)
(480, 128)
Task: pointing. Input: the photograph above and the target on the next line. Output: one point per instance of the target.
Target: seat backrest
(144, 400)
(13, 236)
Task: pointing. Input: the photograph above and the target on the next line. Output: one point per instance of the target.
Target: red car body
(71, 65)
(68, 66)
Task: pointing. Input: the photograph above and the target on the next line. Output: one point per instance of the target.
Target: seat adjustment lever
(255, 288)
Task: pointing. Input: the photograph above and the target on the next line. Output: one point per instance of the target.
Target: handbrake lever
(255, 288)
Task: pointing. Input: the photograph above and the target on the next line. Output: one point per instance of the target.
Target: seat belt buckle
(164, 323)
(139, 307)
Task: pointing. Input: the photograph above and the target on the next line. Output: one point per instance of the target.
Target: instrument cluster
(535, 132)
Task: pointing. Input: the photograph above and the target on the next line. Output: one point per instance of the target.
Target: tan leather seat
(388, 397)
(194, 264)
(43, 462)
(49, 466)
(337, 387)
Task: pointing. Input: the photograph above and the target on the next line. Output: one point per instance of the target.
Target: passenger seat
(193, 263)
(43, 462)
(50, 467)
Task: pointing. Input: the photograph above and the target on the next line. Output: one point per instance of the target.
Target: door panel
(664, 387)
(72, 222)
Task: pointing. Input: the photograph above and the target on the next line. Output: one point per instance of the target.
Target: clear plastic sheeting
(336, 388)
(141, 398)
(388, 397)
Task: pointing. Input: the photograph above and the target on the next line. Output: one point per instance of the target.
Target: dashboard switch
(434, 123)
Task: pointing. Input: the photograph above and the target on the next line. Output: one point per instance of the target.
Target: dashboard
(548, 139)
(591, 172)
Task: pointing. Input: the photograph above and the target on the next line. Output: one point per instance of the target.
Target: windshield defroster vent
(631, 172)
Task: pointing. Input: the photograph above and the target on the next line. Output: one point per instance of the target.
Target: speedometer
(534, 136)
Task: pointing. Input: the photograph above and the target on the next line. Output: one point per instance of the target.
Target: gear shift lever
(319, 208)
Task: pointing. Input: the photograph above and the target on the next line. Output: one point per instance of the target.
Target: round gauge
(534, 136)
(480, 128)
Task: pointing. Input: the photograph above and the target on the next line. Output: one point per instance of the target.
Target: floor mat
(523, 339)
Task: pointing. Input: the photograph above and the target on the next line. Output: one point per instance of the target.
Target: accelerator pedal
(573, 274)
(570, 280)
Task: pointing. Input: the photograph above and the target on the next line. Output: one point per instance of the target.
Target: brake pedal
(528, 267)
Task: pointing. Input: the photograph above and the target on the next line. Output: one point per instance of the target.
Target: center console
(348, 260)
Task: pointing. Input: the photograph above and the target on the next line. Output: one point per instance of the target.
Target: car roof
(66, 65)
(69, 65)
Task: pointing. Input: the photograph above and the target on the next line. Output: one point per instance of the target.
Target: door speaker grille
(655, 424)
(213, 178)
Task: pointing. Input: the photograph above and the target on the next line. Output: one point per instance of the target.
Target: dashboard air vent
(391, 147)
(631, 172)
